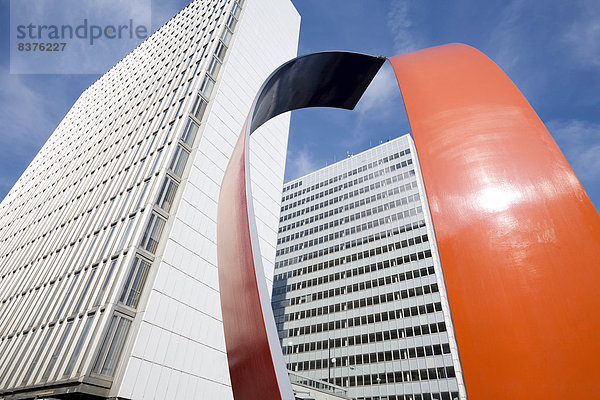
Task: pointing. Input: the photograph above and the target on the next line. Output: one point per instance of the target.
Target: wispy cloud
(300, 163)
(379, 97)
(26, 115)
(580, 143)
(403, 29)
(582, 35)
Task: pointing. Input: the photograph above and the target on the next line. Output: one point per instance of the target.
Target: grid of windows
(356, 294)
(80, 229)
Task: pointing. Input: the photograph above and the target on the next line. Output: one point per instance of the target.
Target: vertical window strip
(199, 107)
(189, 133)
(79, 345)
(126, 234)
(167, 194)
(82, 298)
(57, 351)
(152, 233)
(135, 282)
(143, 195)
(67, 295)
(106, 282)
(38, 355)
(112, 346)
(107, 243)
(179, 160)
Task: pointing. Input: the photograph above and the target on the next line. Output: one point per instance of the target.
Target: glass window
(126, 234)
(112, 346)
(226, 36)
(38, 355)
(134, 283)
(57, 351)
(236, 10)
(189, 133)
(67, 295)
(221, 48)
(199, 108)
(85, 290)
(107, 243)
(79, 345)
(167, 194)
(231, 22)
(152, 233)
(106, 282)
(214, 67)
(144, 190)
(207, 86)
(179, 160)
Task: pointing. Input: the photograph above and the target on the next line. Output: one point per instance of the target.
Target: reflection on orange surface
(518, 237)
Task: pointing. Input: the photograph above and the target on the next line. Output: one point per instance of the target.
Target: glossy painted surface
(256, 365)
(250, 365)
(518, 237)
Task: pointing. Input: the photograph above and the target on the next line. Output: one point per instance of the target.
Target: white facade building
(358, 295)
(108, 276)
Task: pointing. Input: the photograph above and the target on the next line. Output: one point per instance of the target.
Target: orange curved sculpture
(518, 238)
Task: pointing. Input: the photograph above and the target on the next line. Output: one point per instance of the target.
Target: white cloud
(402, 27)
(580, 143)
(582, 35)
(300, 163)
(27, 116)
(381, 94)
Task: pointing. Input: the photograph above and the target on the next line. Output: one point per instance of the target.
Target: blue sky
(550, 49)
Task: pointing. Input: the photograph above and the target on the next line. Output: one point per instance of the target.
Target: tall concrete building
(358, 295)
(108, 276)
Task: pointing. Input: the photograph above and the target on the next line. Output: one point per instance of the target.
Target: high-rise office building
(108, 276)
(358, 294)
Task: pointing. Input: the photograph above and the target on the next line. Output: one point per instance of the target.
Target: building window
(152, 233)
(167, 194)
(112, 346)
(214, 67)
(199, 107)
(231, 22)
(179, 160)
(134, 284)
(82, 298)
(106, 282)
(207, 86)
(221, 48)
(79, 345)
(126, 233)
(189, 133)
(57, 351)
(226, 36)
(38, 355)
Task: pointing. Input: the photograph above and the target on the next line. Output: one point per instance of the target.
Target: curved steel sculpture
(519, 239)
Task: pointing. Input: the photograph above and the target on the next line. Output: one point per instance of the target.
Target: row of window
(373, 358)
(358, 287)
(356, 228)
(358, 242)
(349, 184)
(365, 319)
(340, 221)
(396, 277)
(341, 176)
(395, 377)
(417, 396)
(334, 200)
(367, 268)
(366, 338)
